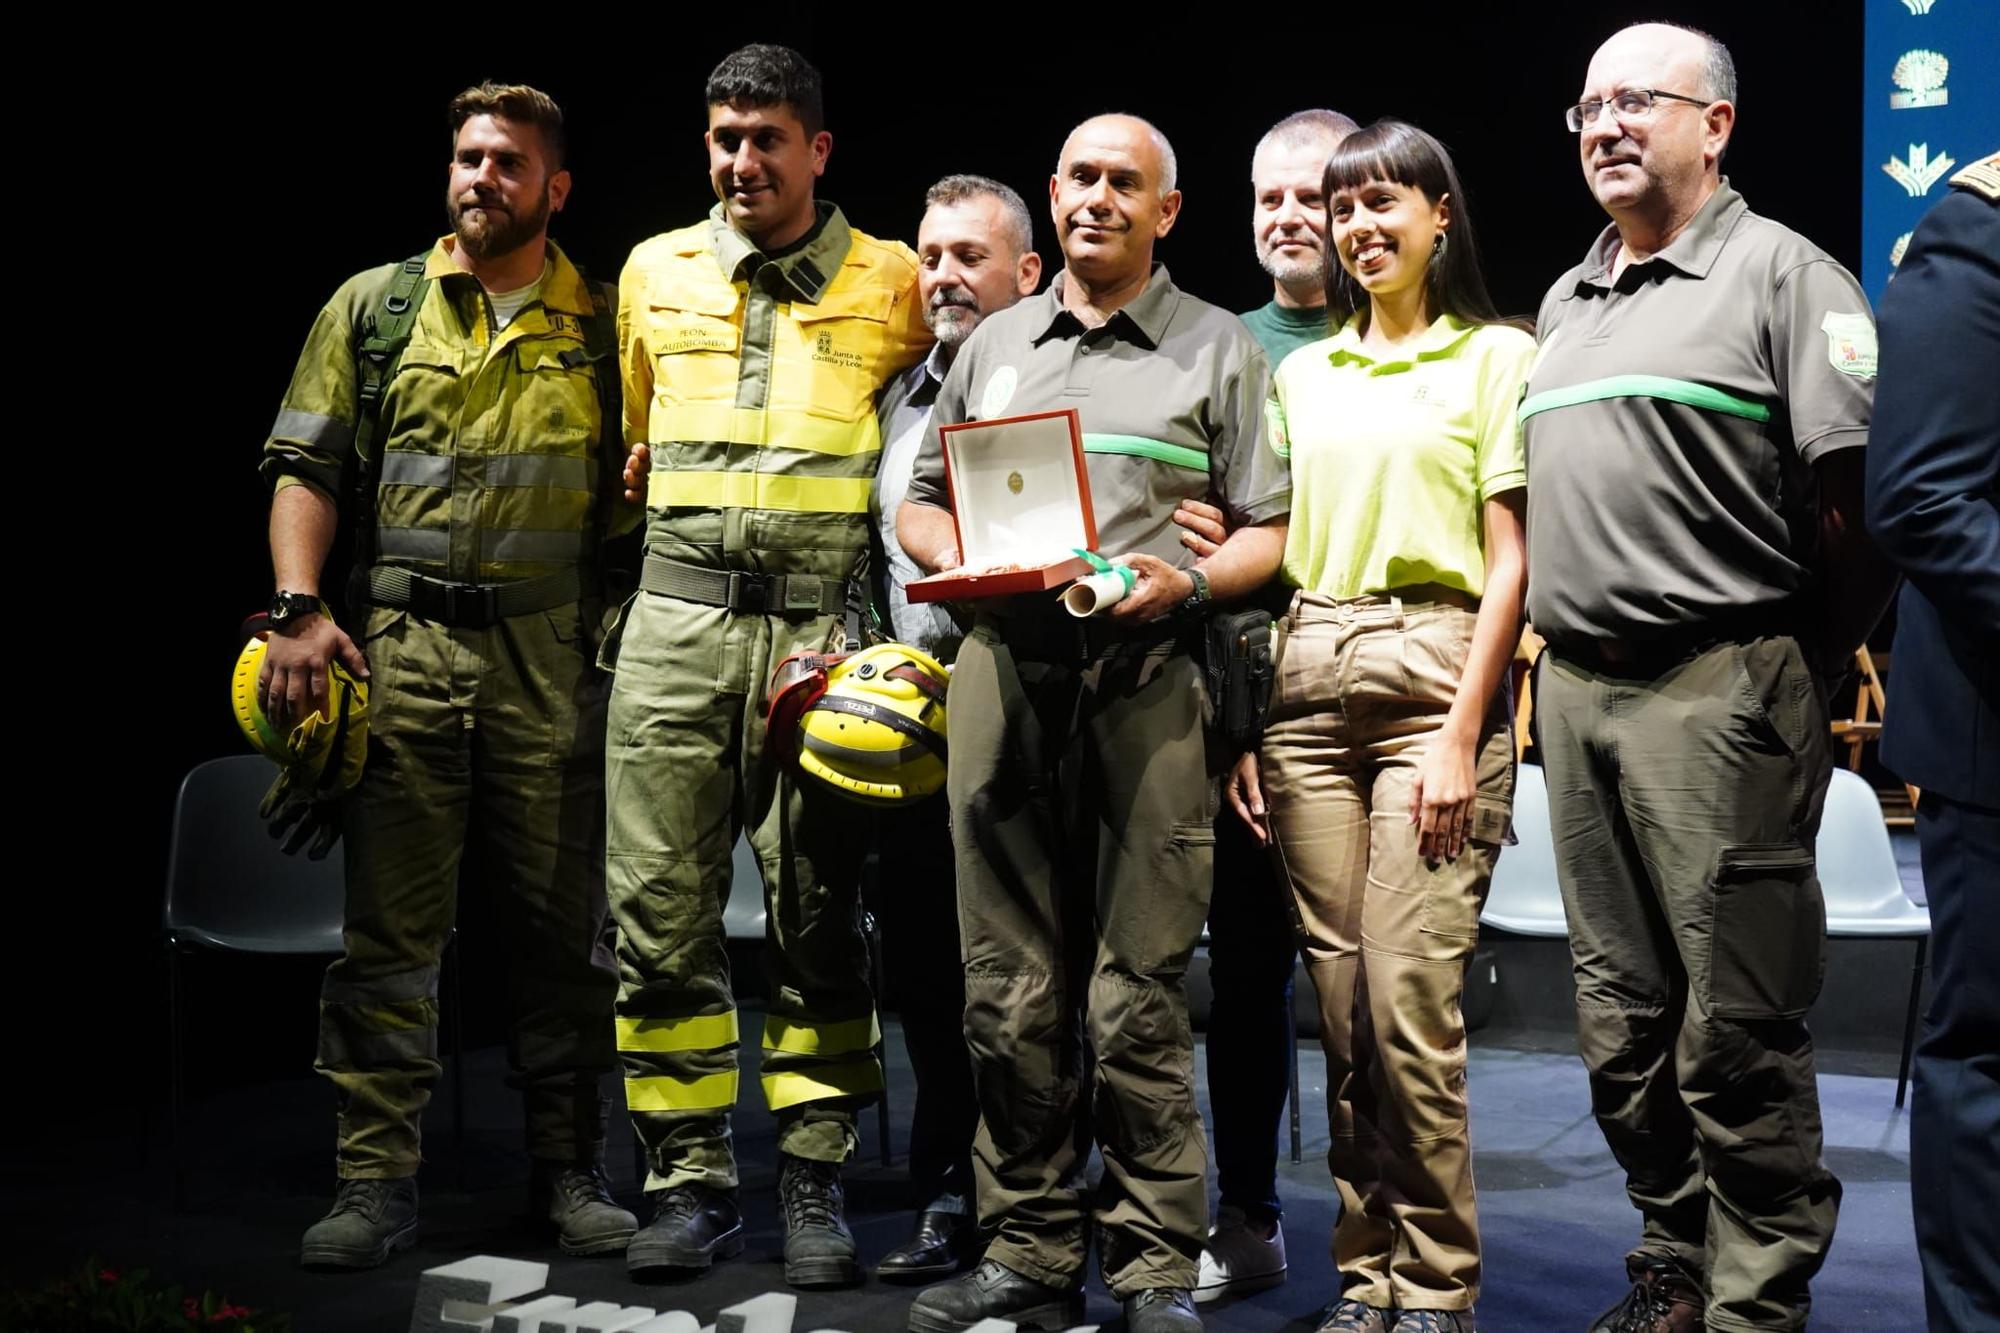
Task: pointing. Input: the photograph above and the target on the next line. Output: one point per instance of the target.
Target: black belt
(1038, 635)
(1669, 646)
(470, 605)
(743, 592)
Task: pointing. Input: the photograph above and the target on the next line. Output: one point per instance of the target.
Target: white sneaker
(1237, 1261)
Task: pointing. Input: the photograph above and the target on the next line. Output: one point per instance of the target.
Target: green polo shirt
(1672, 420)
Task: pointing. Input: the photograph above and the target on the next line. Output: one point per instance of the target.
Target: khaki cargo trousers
(1363, 686)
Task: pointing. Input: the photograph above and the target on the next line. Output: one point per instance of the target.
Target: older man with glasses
(1694, 430)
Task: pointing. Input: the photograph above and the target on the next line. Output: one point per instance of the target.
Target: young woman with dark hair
(1385, 781)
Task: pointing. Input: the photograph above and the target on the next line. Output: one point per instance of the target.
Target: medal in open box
(1020, 504)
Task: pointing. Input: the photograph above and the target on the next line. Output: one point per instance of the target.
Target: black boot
(577, 1201)
(995, 1291)
(692, 1227)
(819, 1249)
(370, 1220)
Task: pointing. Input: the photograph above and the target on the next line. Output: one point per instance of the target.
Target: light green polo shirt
(1393, 459)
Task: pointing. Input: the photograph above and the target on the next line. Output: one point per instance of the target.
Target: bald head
(1651, 169)
(1112, 197)
(1133, 134)
(1703, 63)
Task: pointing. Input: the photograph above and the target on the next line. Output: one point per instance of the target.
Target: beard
(951, 321)
(489, 230)
(1294, 272)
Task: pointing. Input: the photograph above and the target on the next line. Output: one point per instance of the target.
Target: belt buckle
(471, 605)
(747, 592)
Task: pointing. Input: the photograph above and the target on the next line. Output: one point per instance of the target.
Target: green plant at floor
(95, 1298)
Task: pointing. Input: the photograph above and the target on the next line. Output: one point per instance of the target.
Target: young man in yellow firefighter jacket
(752, 345)
(460, 412)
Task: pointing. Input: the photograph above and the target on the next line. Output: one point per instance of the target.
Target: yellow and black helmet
(877, 734)
(327, 748)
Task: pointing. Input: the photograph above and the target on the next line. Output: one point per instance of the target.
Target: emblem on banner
(1896, 250)
(1919, 7)
(1921, 171)
(1920, 74)
(1850, 343)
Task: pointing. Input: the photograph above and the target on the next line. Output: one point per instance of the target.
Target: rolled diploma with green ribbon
(1098, 592)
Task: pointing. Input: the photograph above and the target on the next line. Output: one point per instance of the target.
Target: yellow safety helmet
(877, 734)
(321, 755)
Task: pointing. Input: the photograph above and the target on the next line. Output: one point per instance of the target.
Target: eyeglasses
(1632, 104)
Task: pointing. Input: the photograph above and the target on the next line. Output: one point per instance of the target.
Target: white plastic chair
(1524, 898)
(1857, 874)
(1864, 889)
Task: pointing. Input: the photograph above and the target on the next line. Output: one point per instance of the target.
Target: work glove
(300, 817)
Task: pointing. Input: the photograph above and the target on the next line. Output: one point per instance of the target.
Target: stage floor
(1552, 1206)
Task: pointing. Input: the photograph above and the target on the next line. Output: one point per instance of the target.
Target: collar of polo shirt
(1146, 314)
(1692, 253)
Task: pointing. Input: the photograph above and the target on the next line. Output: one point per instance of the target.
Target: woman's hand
(1441, 802)
(1246, 797)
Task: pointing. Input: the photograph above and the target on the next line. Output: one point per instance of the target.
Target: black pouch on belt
(1240, 674)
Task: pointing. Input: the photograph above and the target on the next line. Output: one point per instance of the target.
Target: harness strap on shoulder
(378, 350)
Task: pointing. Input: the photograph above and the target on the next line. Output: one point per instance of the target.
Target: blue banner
(1931, 77)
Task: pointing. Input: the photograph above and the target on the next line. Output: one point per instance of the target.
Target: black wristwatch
(289, 606)
(1197, 601)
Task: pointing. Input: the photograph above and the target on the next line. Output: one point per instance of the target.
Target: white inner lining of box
(1038, 524)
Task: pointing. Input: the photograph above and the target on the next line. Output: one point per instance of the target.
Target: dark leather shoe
(692, 1227)
(1665, 1298)
(1161, 1310)
(942, 1244)
(995, 1291)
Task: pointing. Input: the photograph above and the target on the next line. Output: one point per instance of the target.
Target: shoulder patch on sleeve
(1982, 177)
(1850, 343)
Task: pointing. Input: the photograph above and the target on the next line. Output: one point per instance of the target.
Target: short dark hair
(1399, 152)
(515, 102)
(763, 75)
(959, 188)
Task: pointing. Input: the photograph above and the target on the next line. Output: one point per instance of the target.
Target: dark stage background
(297, 161)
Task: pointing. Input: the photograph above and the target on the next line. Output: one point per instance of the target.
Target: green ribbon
(1097, 562)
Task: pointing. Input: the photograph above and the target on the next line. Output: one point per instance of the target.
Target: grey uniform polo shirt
(1170, 394)
(1671, 420)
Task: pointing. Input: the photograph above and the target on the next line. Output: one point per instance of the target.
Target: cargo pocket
(1767, 933)
(1456, 889)
(1162, 935)
(575, 692)
(381, 644)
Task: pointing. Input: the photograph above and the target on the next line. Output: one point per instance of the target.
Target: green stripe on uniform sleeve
(1647, 386)
(1138, 446)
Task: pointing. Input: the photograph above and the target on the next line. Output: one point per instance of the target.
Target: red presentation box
(1020, 501)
